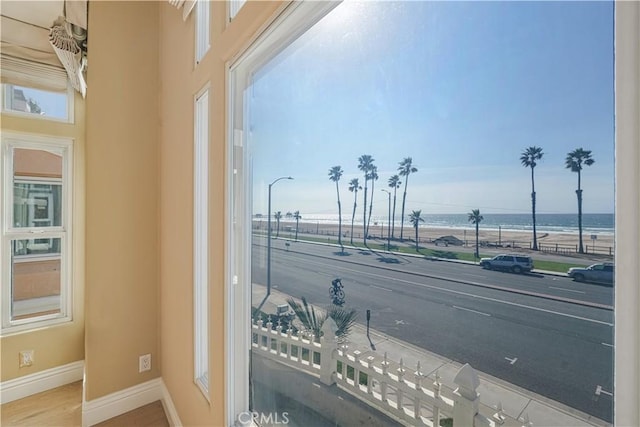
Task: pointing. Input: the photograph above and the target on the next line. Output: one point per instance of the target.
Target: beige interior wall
(181, 82)
(60, 344)
(122, 267)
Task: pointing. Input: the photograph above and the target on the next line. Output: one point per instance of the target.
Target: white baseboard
(41, 381)
(169, 408)
(104, 408)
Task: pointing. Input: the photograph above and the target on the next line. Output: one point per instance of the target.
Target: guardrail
(403, 393)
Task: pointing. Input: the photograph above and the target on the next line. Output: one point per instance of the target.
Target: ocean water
(548, 223)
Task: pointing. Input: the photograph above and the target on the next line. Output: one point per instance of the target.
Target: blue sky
(52, 104)
(460, 87)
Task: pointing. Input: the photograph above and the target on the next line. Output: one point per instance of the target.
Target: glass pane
(35, 277)
(442, 106)
(37, 205)
(36, 101)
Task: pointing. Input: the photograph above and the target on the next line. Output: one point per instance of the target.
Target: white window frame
(63, 147)
(201, 240)
(627, 292)
(296, 19)
(234, 8)
(33, 75)
(203, 18)
(68, 93)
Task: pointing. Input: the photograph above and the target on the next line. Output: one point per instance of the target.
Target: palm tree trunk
(278, 229)
(339, 216)
(416, 237)
(580, 246)
(404, 199)
(477, 232)
(297, 222)
(373, 183)
(579, 194)
(364, 214)
(353, 216)
(533, 211)
(393, 218)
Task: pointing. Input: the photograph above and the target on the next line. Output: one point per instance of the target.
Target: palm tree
(335, 173)
(574, 161)
(415, 220)
(297, 217)
(476, 218)
(344, 318)
(365, 163)
(354, 186)
(394, 182)
(278, 216)
(405, 169)
(306, 314)
(373, 177)
(313, 322)
(529, 159)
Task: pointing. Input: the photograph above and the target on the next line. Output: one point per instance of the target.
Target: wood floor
(62, 407)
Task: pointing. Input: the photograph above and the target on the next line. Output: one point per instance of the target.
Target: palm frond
(344, 318)
(307, 316)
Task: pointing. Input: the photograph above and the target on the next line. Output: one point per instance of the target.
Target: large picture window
(36, 215)
(445, 172)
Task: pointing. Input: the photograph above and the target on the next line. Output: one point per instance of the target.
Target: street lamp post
(388, 222)
(269, 236)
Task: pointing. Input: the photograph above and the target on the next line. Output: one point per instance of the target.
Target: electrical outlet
(25, 358)
(144, 363)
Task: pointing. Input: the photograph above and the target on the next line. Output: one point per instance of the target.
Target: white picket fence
(403, 393)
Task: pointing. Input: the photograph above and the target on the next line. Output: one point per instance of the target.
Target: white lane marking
(474, 275)
(599, 391)
(567, 290)
(608, 345)
(473, 311)
(380, 287)
(512, 361)
(515, 304)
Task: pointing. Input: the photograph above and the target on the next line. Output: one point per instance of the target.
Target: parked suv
(602, 273)
(511, 262)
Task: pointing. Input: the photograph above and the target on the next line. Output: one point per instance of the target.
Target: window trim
(63, 146)
(69, 93)
(202, 30)
(296, 18)
(627, 154)
(201, 240)
(234, 8)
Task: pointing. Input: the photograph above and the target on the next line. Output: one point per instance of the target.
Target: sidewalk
(515, 400)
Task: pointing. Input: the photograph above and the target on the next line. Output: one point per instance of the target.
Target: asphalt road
(543, 333)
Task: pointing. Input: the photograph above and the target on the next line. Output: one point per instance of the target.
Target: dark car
(600, 273)
(511, 262)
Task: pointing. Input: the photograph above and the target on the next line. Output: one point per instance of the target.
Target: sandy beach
(488, 237)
